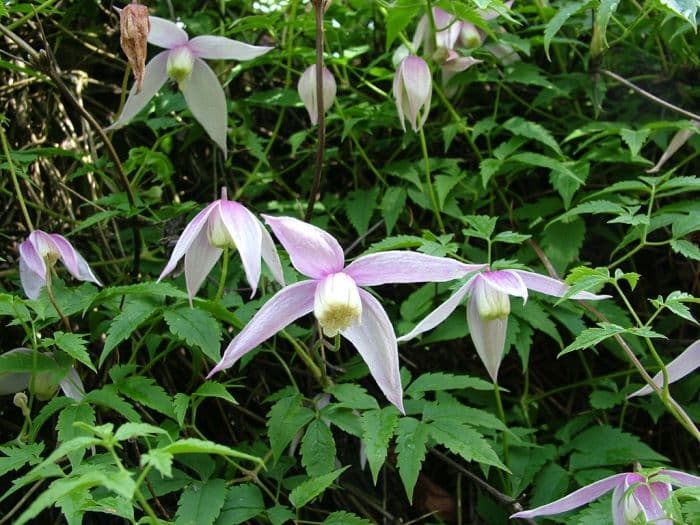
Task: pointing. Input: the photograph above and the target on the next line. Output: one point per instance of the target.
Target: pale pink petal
(313, 251)
(505, 281)
(72, 385)
(448, 28)
(651, 499)
(207, 102)
(406, 267)
(456, 63)
(66, 253)
(422, 36)
(154, 76)
(270, 255)
(219, 47)
(32, 270)
(681, 479)
(286, 306)
(85, 273)
(489, 337)
(438, 315)
(687, 362)
(246, 233)
(306, 88)
(195, 228)
(549, 286)
(415, 87)
(375, 340)
(200, 258)
(165, 33)
(575, 499)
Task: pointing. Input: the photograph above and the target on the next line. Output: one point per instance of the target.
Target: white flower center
(337, 304)
(217, 232)
(491, 303)
(180, 64)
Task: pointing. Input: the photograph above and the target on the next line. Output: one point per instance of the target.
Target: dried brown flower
(134, 26)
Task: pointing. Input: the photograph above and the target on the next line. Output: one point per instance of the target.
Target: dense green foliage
(570, 149)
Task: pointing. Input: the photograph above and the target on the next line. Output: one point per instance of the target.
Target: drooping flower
(688, 361)
(222, 224)
(134, 27)
(39, 253)
(44, 384)
(307, 91)
(182, 62)
(413, 89)
(333, 293)
(489, 306)
(634, 493)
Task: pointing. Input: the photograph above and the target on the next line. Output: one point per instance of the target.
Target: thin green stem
(306, 358)
(429, 181)
(502, 416)
(15, 182)
(222, 279)
(52, 299)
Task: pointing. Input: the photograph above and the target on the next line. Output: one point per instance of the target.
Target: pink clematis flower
(307, 91)
(413, 89)
(222, 224)
(334, 295)
(489, 307)
(688, 361)
(40, 252)
(44, 386)
(182, 62)
(634, 493)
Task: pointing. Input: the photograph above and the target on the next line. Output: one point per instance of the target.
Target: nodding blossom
(489, 306)
(688, 361)
(634, 495)
(307, 91)
(182, 62)
(39, 253)
(334, 295)
(413, 89)
(222, 224)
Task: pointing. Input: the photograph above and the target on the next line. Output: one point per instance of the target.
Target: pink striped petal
(313, 251)
(489, 336)
(448, 28)
(195, 228)
(549, 286)
(375, 340)
(575, 499)
(154, 76)
(219, 47)
(438, 315)
(32, 270)
(66, 253)
(681, 479)
(207, 102)
(505, 281)
(687, 362)
(165, 33)
(286, 306)
(406, 267)
(200, 258)
(246, 233)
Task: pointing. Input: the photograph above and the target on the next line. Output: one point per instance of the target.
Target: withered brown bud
(134, 26)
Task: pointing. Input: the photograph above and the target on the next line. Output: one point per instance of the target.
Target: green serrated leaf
(181, 402)
(135, 312)
(318, 449)
(201, 446)
(214, 389)
(686, 9)
(354, 396)
(563, 13)
(392, 205)
(147, 392)
(67, 430)
(437, 381)
(20, 455)
(243, 502)
(197, 328)
(593, 336)
(481, 226)
(286, 417)
(377, 428)
(74, 346)
(308, 490)
(635, 139)
(686, 248)
(130, 430)
(411, 446)
(525, 128)
(160, 460)
(280, 515)
(345, 518)
(464, 441)
(201, 503)
(605, 11)
(360, 206)
(109, 398)
(398, 16)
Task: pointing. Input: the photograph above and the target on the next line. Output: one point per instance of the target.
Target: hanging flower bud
(307, 91)
(337, 304)
(470, 36)
(134, 27)
(413, 89)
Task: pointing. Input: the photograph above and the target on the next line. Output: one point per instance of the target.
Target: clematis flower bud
(413, 89)
(307, 91)
(134, 27)
(337, 304)
(470, 36)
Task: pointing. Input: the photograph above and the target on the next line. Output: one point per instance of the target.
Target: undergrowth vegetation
(349, 262)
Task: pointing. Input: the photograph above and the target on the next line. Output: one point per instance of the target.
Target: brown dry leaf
(134, 26)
